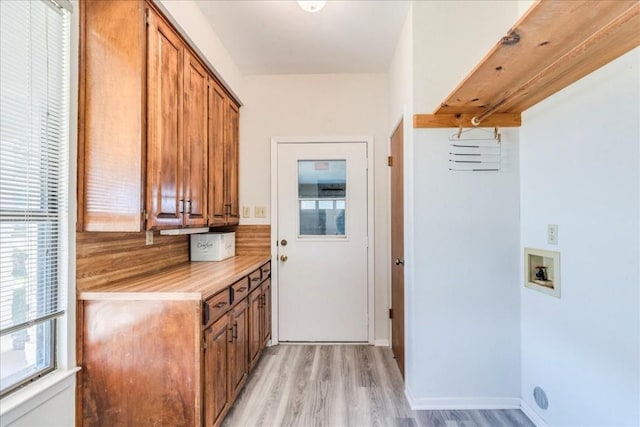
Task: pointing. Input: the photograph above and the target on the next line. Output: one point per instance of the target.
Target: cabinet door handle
(181, 206)
(235, 331)
(189, 210)
(230, 334)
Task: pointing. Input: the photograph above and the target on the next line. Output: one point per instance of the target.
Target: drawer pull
(255, 279)
(221, 304)
(242, 289)
(266, 271)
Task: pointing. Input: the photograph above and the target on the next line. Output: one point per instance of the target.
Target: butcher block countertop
(192, 281)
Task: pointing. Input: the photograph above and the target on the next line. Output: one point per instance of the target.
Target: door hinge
(145, 215)
(204, 344)
(390, 161)
(391, 313)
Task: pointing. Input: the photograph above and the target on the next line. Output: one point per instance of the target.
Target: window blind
(33, 160)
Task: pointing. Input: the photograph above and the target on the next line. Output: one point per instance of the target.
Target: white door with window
(322, 194)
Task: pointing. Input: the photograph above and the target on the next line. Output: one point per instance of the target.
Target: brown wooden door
(216, 396)
(164, 125)
(238, 354)
(231, 164)
(266, 311)
(255, 325)
(217, 110)
(397, 248)
(195, 142)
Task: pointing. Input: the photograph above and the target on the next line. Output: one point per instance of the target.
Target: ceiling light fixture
(311, 5)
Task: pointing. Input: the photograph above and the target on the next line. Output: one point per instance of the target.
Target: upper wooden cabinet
(195, 142)
(165, 157)
(223, 158)
(147, 122)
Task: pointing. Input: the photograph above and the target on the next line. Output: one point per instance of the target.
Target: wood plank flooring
(342, 385)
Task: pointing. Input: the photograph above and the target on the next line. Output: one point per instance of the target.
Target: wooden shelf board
(559, 43)
(503, 120)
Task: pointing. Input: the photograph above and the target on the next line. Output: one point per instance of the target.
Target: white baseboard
(381, 343)
(443, 403)
(532, 414)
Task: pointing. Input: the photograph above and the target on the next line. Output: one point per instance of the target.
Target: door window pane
(322, 189)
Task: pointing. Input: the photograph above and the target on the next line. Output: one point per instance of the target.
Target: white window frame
(32, 396)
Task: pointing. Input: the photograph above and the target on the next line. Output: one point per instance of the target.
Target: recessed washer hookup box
(212, 246)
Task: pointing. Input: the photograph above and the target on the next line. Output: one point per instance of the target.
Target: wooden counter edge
(159, 295)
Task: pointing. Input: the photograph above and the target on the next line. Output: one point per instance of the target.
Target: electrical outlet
(260, 212)
(552, 234)
(149, 240)
(246, 211)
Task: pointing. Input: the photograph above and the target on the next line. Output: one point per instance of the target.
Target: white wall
(463, 337)
(317, 105)
(580, 169)
(449, 39)
(401, 106)
(188, 17)
(401, 74)
(54, 410)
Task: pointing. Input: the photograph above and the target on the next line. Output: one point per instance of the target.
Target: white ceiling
(277, 37)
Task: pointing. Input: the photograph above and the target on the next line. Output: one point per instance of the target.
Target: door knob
(399, 261)
(283, 258)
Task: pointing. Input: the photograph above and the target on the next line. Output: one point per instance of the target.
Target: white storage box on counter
(213, 246)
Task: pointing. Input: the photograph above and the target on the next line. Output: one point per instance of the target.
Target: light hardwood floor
(341, 385)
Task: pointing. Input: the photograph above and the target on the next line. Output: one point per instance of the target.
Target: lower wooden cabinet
(154, 360)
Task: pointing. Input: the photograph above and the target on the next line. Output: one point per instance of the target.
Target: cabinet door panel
(238, 354)
(216, 396)
(110, 126)
(195, 142)
(164, 119)
(266, 311)
(255, 325)
(231, 164)
(217, 106)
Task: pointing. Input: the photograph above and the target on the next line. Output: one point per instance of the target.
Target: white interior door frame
(277, 141)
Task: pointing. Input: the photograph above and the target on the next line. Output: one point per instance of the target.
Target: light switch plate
(246, 211)
(552, 234)
(260, 212)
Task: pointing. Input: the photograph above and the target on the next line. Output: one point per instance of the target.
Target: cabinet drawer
(254, 278)
(240, 290)
(215, 307)
(266, 270)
